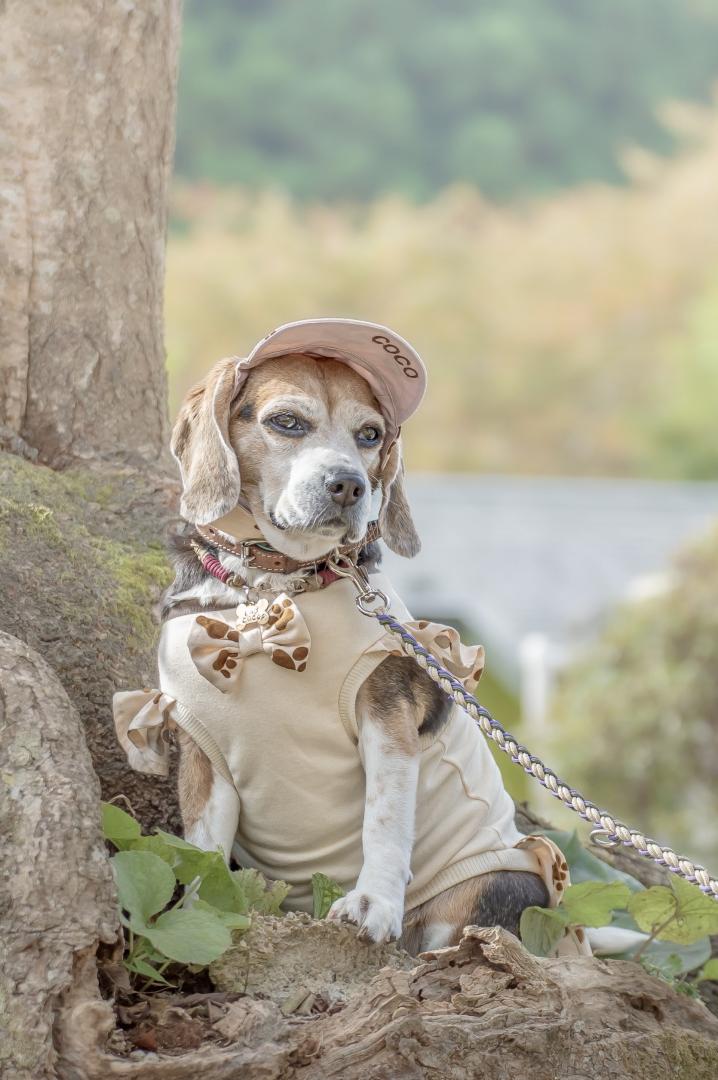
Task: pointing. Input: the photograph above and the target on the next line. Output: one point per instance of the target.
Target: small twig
(652, 937)
(125, 800)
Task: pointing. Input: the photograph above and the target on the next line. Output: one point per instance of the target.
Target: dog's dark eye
(287, 423)
(368, 435)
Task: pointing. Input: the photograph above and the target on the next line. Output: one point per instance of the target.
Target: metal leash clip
(369, 601)
(602, 838)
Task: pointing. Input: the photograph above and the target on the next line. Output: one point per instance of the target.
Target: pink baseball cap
(390, 365)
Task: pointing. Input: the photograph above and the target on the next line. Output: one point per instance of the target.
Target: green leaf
(145, 885)
(542, 928)
(658, 952)
(325, 892)
(274, 897)
(653, 907)
(177, 841)
(710, 970)
(158, 847)
(189, 861)
(257, 895)
(696, 913)
(220, 889)
(252, 886)
(218, 886)
(592, 902)
(141, 967)
(687, 912)
(117, 826)
(190, 937)
(230, 919)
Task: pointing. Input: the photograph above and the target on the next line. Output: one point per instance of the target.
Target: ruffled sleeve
(465, 662)
(143, 722)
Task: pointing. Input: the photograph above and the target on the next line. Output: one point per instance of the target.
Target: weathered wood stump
(56, 890)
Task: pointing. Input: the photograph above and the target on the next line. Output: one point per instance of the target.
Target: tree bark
(82, 566)
(56, 891)
(87, 105)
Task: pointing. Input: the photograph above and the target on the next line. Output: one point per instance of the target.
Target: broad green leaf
(144, 884)
(176, 841)
(190, 861)
(258, 895)
(157, 846)
(657, 952)
(653, 907)
(324, 892)
(217, 884)
(117, 826)
(219, 888)
(697, 914)
(542, 928)
(584, 865)
(230, 919)
(190, 937)
(687, 912)
(253, 887)
(141, 967)
(592, 902)
(710, 970)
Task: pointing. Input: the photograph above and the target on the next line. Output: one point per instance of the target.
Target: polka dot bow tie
(219, 648)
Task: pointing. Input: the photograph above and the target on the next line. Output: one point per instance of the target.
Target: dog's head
(305, 441)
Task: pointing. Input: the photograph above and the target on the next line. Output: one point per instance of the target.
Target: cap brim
(390, 365)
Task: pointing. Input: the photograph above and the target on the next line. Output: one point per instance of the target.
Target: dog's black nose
(345, 488)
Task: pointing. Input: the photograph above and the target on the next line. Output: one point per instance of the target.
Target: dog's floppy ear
(395, 521)
(200, 444)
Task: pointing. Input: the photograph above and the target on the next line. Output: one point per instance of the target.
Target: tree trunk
(56, 890)
(87, 104)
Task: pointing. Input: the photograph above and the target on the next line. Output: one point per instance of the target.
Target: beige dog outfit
(271, 697)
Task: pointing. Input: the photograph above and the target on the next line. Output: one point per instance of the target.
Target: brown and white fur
(311, 488)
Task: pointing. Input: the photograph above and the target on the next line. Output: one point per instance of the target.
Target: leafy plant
(654, 662)
(324, 893)
(679, 914)
(179, 904)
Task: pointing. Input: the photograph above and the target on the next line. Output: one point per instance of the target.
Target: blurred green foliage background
(636, 718)
(348, 99)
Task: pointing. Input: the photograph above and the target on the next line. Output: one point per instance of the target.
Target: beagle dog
(308, 742)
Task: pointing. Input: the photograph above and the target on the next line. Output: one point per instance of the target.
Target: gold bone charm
(256, 613)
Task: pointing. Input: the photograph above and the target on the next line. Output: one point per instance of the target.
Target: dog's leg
(494, 899)
(209, 805)
(390, 751)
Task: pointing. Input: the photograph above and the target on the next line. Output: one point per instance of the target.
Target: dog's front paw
(378, 918)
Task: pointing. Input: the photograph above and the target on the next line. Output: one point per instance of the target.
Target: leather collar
(261, 556)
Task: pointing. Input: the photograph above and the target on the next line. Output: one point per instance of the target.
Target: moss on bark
(82, 564)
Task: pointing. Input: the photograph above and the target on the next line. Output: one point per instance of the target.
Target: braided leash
(374, 603)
